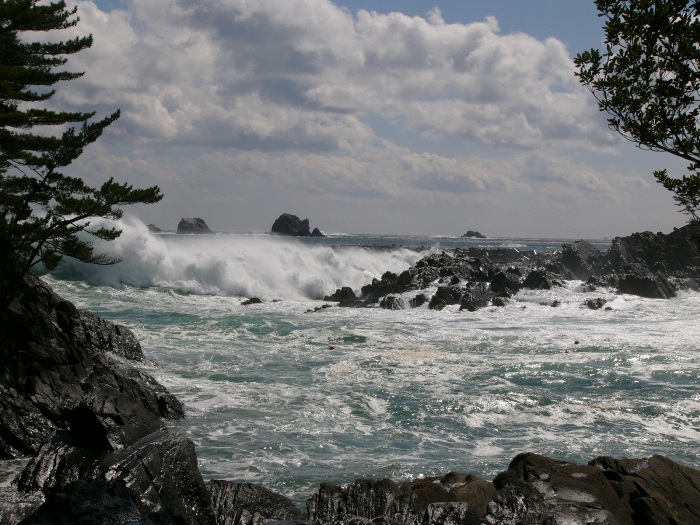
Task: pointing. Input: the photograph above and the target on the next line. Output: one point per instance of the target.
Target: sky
(425, 117)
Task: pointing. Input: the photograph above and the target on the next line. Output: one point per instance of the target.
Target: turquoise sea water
(279, 395)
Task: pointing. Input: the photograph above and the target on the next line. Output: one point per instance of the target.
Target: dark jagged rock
(581, 258)
(638, 281)
(154, 229)
(252, 300)
(500, 301)
(192, 225)
(476, 296)
(249, 504)
(536, 489)
(444, 296)
(345, 297)
(632, 266)
(54, 360)
(288, 224)
(419, 300)
(392, 302)
(471, 234)
(505, 283)
(101, 336)
(154, 480)
(454, 498)
(540, 279)
(596, 304)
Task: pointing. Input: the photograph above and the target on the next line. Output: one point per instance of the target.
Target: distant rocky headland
(73, 400)
(293, 226)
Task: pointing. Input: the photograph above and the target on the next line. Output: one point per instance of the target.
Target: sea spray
(243, 265)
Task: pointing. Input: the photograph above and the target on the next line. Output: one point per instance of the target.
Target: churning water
(289, 398)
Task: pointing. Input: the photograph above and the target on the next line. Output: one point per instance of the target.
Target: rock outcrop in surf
(645, 264)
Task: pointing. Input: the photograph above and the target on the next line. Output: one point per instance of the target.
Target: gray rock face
(192, 225)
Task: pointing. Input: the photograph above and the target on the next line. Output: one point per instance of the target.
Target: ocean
(279, 394)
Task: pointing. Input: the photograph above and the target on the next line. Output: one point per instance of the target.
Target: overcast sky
(425, 117)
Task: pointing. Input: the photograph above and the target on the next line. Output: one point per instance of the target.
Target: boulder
(419, 300)
(154, 480)
(537, 489)
(475, 296)
(453, 498)
(288, 224)
(596, 304)
(444, 296)
(505, 284)
(317, 233)
(154, 229)
(471, 234)
(539, 279)
(192, 225)
(345, 297)
(249, 504)
(392, 302)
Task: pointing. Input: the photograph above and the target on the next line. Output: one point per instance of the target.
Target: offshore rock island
(95, 427)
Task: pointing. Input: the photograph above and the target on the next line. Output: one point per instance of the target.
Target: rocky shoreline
(94, 430)
(645, 264)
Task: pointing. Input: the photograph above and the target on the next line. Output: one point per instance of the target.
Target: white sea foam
(243, 265)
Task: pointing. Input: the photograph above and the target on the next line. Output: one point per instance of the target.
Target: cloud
(291, 74)
(256, 103)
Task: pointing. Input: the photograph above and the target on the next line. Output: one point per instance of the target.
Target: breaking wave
(245, 265)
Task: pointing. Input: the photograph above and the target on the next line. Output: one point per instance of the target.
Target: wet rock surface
(649, 265)
(58, 362)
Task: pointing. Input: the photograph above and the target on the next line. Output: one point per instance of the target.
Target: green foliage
(648, 80)
(42, 211)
